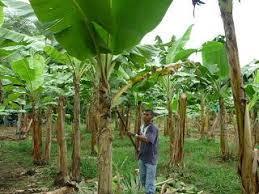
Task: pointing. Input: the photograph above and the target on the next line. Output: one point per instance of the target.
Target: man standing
(148, 152)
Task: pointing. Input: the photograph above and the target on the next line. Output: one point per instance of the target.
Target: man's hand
(131, 133)
(139, 137)
(142, 138)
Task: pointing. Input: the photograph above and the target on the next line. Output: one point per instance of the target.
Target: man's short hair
(149, 111)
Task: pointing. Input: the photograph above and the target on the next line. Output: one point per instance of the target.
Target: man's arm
(150, 135)
(149, 138)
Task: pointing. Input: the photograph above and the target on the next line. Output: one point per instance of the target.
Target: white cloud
(208, 24)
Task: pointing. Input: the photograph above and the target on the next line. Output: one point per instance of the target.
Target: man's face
(147, 117)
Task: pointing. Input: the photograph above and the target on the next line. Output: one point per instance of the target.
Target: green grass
(206, 170)
(203, 166)
(11, 152)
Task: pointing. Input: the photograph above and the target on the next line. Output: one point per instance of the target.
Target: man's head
(148, 116)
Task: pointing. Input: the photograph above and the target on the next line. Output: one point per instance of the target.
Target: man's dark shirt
(148, 151)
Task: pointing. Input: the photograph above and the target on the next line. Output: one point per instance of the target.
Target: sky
(208, 24)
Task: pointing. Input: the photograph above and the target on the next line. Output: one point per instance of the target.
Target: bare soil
(17, 173)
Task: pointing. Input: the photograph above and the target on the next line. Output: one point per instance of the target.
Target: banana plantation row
(87, 65)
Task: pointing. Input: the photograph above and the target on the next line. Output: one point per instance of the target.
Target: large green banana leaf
(31, 70)
(214, 53)
(252, 91)
(56, 55)
(87, 27)
(14, 45)
(8, 36)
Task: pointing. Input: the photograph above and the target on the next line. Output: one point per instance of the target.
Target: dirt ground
(17, 173)
(7, 132)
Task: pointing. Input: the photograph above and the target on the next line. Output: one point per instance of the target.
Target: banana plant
(173, 53)
(252, 89)
(127, 65)
(214, 74)
(31, 70)
(201, 91)
(18, 54)
(14, 45)
(248, 177)
(99, 30)
(13, 87)
(251, 77)
(15, 42)
(78, 69)
(19, 17)
(25, 79)
(170, 52)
